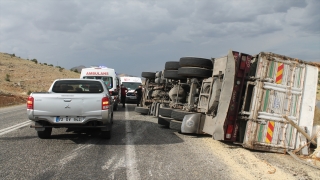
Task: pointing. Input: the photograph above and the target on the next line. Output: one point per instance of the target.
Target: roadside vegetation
(19, 77)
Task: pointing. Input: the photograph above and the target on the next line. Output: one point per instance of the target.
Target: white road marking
(12, 128)
(76, 152)
(131, 164)
(113, 165)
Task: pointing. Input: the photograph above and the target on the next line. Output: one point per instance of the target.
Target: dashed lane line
(131, 163)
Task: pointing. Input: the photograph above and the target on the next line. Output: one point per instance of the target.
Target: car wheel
(142, 110)
(106, 134)
(46, 134)
(195, 62)
(115, 107)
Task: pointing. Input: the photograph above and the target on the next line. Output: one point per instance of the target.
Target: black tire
(153, 109)
(195, 72)
(165, 112)
(164, 121)
(115, 107)
(105, 134)
(157, 109)
(172, 74)
(179, 115)
(172, 65)
(46, 134)
(176, 125)
(196, 62)
(142, 110)
(149, 75)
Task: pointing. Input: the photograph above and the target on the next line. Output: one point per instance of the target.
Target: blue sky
(133, 36)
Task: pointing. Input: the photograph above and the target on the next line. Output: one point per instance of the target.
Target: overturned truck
(241, 98)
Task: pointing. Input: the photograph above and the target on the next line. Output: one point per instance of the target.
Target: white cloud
(132, 35)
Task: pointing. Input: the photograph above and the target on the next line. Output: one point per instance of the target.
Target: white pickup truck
(74, 104)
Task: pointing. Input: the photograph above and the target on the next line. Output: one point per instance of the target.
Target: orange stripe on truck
(270, 132)
(279, 73)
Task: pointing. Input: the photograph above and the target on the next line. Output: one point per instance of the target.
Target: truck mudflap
(215, 126)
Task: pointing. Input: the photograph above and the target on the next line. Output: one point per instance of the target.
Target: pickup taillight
(105, 103)
(30, 102)
(110, 92)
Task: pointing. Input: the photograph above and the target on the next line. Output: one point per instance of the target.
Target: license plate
(132, 97)
(68, 119)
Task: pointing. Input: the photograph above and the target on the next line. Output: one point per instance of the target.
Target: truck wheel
(195, 72)
(165, 112)
(157, 109)
(176, 125)
(179, 115)
(149, 75)
(164, 121)
(196, 62)
(172, 74)
(172, 65)
(45, 134)
(152, 109)
(105, 134)
(142, 110)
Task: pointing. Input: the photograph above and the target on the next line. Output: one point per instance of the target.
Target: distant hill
(19, 77)
(78, 68)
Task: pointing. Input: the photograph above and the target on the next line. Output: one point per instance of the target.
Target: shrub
(75, 70)
(45, 63)
(29, 92)
(50, 65)
(61, 69)
(35, 61)
(7, 77)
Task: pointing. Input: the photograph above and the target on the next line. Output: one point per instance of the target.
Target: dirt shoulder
(247, 164)
(11, 100)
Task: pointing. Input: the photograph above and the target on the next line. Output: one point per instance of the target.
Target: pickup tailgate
(54, 104)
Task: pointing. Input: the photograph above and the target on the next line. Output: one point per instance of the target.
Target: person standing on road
(124, 91)
(138, 93)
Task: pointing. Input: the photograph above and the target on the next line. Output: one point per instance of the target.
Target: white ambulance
(108, 75)
(131, 83)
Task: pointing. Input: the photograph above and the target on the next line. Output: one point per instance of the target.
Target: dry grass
(18, 77)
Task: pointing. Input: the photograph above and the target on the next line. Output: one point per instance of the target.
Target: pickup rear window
(77, 86)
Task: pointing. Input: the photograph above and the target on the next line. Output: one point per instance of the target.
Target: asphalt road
(138, 149)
